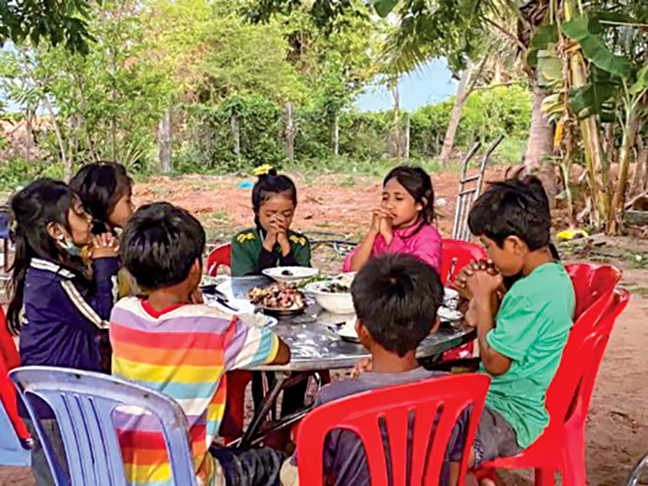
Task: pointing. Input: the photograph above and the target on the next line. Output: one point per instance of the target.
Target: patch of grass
(641, 291)
(220, 216)
(161, 191)
(509, 151)
(637, 260)
(309, 170)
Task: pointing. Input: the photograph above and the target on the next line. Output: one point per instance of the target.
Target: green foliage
(244, 58)
(61, 22)
(16, 172)
(260, 123)
(587, 31)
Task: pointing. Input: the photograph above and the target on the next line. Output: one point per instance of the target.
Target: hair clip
(262, 170)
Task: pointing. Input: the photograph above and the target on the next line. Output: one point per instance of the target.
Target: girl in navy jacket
(59, 310)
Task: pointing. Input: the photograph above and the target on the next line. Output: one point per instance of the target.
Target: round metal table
(315, 344)
(319, 347)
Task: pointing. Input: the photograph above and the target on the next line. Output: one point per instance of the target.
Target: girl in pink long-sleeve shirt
(403, 221)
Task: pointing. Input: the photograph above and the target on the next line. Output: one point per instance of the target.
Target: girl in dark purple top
(58, 310)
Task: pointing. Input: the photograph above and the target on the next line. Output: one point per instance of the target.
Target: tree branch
(508, 34)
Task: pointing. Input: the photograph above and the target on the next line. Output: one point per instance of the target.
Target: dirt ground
(617, 428)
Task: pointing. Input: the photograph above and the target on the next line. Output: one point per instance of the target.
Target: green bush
(205, 142)
(17, 172)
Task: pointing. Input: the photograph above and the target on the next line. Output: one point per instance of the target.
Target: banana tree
(589, 81)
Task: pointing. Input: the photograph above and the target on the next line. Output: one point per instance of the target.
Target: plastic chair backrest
(83, 403)
(12, 427)
(592, 282)
(397, 428)
(463, 252)
(219, 256)
(571, 389)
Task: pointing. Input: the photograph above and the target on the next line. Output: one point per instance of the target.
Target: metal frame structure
(469, 190)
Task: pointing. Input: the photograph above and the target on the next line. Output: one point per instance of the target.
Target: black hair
(42, 202)
(396, 297)
(272, 183)
(100, 187)
(419, 185)
(160, 244)
(515, 207)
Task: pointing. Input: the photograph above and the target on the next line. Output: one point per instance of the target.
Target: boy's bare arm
(283, 354)
(483, 286)
(495, 363)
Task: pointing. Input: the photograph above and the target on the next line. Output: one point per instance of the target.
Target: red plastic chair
(236, 380)
(408, 413)
(12, 427)
(592, 282)
(561, 447)
(464, 253)
(219, 256)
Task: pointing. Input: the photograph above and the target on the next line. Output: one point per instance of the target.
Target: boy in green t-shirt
(521, 343)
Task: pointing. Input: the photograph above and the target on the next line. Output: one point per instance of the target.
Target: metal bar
(267, 403)
(468, 191)
(456, 230)
(471, 200)
(467, 158)
(470, 179)
(487, 155)
(460, 188)
(453, 264)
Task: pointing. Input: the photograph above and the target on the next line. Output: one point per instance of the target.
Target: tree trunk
(407, 137)
(290, 132)
(641, 168)
(630, 130)
(114, 139)
(335, 133)
(608, 142)
(164, 141)
(28, 128)
(236, 135)
(397, 131)
(67, 163)
(460, 100)
(540, 148)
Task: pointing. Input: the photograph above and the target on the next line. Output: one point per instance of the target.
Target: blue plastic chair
(83, 404)
(13, 451)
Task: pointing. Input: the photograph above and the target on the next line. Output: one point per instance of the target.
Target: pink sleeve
(426, 245)
(346, 267)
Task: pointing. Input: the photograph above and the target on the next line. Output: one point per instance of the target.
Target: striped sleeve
(82, 305)
(250, 346)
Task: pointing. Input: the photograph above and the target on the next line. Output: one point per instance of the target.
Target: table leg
(267, 402)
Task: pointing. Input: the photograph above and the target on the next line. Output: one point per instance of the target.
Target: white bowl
(337, 303)
(290, 274)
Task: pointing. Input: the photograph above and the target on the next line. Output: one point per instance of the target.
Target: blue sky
(430, 84)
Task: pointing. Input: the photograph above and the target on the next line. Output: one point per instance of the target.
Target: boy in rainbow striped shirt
(171, 342)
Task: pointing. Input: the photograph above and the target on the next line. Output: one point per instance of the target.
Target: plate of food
(279, 299)
(347, 332)
(334, 295)
(290, 274)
